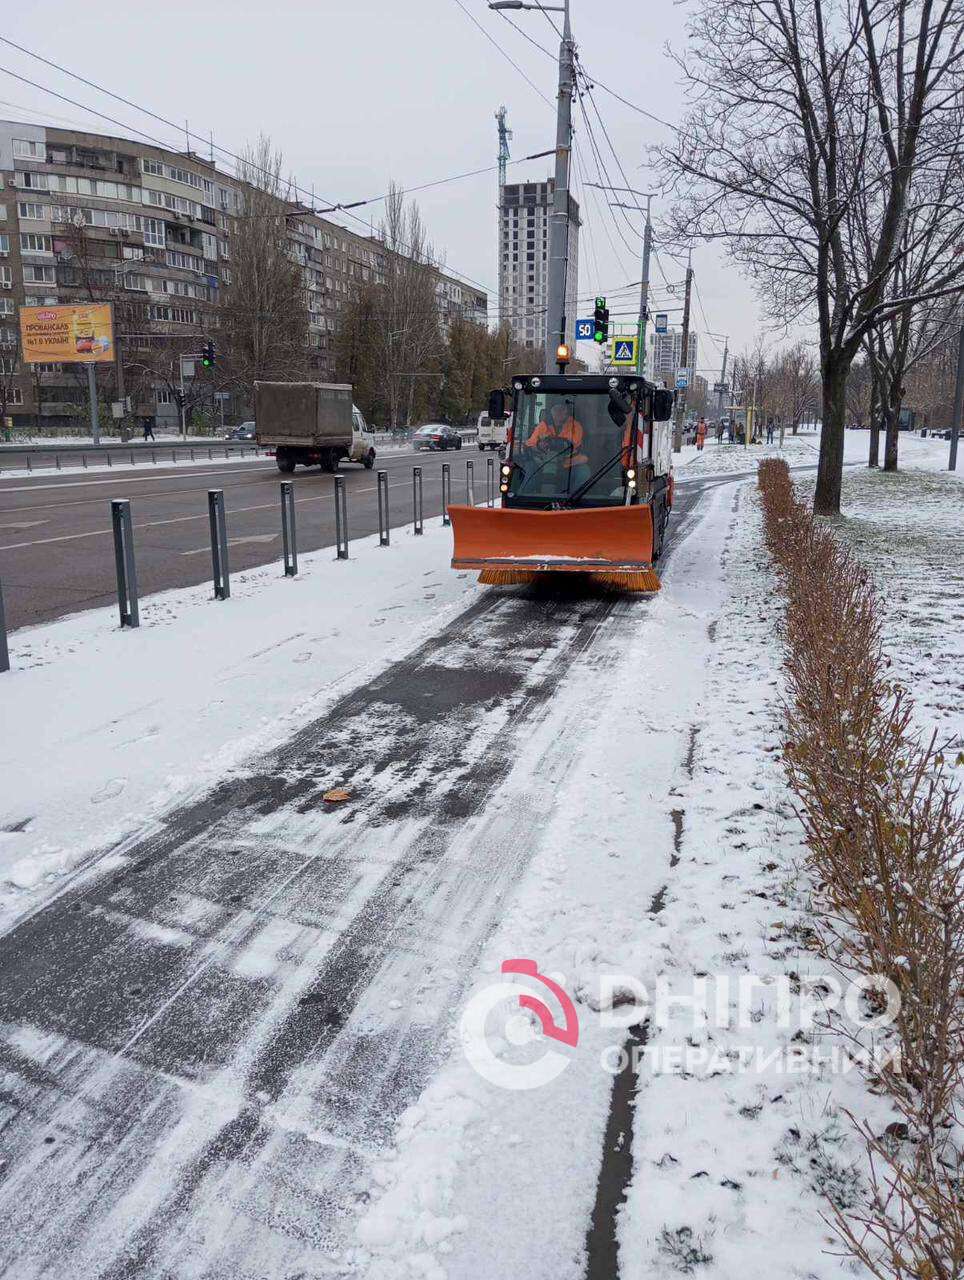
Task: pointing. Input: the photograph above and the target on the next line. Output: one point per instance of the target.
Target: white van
(492, 435)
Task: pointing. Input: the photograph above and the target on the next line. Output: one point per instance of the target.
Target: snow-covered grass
(803, 449)
(907, 528)
(104, 729)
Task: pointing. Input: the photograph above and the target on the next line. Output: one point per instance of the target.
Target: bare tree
(798, 104)
(264, 308)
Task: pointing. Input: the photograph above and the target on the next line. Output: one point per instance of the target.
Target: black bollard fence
(341, 518)
(289, 532)
(4, 651)
(446, 492)
(384, 524)
(490, 482)
(219, 544)
(417, 500)
(120, 516)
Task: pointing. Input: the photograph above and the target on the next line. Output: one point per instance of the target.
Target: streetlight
(559, 221)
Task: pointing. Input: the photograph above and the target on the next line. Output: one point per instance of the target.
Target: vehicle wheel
(285, 463)
(369, 459)
(459, 445)
(328, 461)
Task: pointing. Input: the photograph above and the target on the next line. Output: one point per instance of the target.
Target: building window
(6, 306)
(4, 243)
(32, 243)
(33, 212)
(26, 150)
(33, 274)
(154, 232)
(34, 181)
(56, 367)
(152, 166)
(162, 395)
(14, 395)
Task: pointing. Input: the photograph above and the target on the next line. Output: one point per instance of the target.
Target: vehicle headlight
(506, 470)
(537, 382)
(631, 474)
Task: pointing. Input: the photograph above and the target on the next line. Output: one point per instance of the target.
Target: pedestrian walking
(148, 430)
(719, 432)
(769, 431)
(700, 435)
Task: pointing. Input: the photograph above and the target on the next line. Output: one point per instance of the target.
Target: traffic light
(207, 355)
(600, 321)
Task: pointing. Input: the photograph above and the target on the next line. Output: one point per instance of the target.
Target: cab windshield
(567, 447)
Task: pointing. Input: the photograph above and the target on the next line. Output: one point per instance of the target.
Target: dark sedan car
(246, 431)
(436, 436)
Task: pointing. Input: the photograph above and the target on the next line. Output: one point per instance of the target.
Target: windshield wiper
(583, 488)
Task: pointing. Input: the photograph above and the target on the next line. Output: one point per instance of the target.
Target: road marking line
(132, 474)
(236, 542)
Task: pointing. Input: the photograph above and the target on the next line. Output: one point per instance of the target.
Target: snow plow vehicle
(586, 485)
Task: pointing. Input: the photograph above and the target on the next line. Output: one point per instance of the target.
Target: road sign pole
(644, 293)
(94, 409)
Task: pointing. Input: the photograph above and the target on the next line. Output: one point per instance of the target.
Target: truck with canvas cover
(586, 485)
(311, 424)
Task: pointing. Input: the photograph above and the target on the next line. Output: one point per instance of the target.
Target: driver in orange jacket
(562, 426)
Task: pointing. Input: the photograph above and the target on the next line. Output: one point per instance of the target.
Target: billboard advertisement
(82, 334)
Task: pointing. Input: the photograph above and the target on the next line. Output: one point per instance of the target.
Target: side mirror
(497, 406)
(663, 404)
(619, 407)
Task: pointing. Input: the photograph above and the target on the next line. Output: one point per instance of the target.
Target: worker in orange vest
(560, 426)
(700, 434)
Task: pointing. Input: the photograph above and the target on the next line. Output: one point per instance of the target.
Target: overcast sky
(357, 93)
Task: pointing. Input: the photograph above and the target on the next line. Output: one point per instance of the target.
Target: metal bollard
(109, 463)
(289, 535)
(417, 501)
(57, 460)
(4, 651)
(219, 544)
(133, 463)
(120, 515)
(210, 455)
(154, 456)
(192, 454)
(490, 482)
(174, 455)
(446, 492)
(84, 459)
(469, 483)
(341, 518)
(384, 524)
(29, 465)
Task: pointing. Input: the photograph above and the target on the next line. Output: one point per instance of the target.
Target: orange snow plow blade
(512, 545)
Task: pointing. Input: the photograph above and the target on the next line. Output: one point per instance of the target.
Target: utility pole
(958, 402)
(559, 221)
(644, 293)
(684, 356)
(559, 218)
(719, 394)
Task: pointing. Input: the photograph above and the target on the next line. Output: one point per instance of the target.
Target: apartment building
(524, 261)
(665, 355)
(85, 214)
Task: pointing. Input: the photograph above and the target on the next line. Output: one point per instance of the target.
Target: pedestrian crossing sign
(624, 350)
